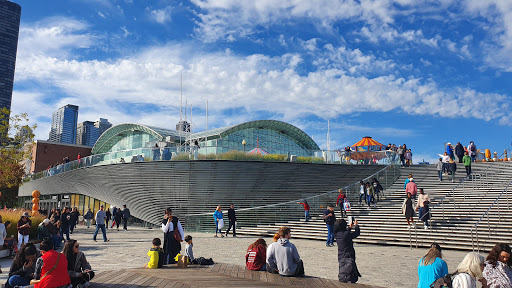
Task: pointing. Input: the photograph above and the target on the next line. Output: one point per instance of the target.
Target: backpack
(202, 261)
(161, 258)
(472, 148)
(446, 279)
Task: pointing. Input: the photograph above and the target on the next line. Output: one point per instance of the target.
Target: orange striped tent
(367, 144)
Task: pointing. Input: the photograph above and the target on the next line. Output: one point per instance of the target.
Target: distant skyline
(416, 72)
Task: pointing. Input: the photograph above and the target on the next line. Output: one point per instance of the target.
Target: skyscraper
(87, 133)
(9, 29)
(64, 122)
(102, 124)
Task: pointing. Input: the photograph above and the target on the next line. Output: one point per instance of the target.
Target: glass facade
(9, 29)
(133, 140)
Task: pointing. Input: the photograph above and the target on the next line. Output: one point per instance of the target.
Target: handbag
(34, 281)
(177, 235)
(221, 223)
(346, 206)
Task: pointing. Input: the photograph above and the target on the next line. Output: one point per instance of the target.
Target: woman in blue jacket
(431, 267)
(217, 215)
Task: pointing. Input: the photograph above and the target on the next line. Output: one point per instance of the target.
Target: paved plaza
(385, 266)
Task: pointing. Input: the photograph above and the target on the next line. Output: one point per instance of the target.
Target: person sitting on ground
(284, 256)
(348, 272)
(498, 271)
(188, 248)
(8, 242)
(256, 255)
(156, 255)
(45, 275)
(23, 266)
(270, 270)
(42, 230)
(431, 267)
(79, 269)
(53, 229)
(468, 271)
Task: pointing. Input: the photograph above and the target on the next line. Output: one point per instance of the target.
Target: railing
(486, 214)
(283, 212)
(477, 180)
(169, 153)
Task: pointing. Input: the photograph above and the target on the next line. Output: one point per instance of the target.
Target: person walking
(341, 199)
(73, 220)
(467, 163)
(472, 151)
(219, 221)
(446, 159)
(348, 272)
(412, 188)
(408, 211)
(172, 242)
(370, 192)
(306, 210)
(362, 192)
(452, 167)
(407, 181)
(439, 166)
(118, 215)
(232, 220)
(65, 219)
(401, 152)
(24, 225)
(449, 150)
(329, 219)
(377, 188)
(459, 151)
(100, 224)
(431, 266)
(126, 216)
(109, 216)
(422, 206)
(88, 217)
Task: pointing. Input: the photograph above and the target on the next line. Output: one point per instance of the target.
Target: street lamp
(243, 143)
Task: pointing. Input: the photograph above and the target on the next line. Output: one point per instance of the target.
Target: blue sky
(406, 71)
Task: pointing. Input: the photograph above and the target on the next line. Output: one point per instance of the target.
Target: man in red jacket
(340, 201)
(306, 209)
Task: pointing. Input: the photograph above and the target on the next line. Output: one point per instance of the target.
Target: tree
(16, 140)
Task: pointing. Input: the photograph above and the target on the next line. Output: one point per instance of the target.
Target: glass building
(87, 133)
(64, 123)
(275, 137)
(9, 29)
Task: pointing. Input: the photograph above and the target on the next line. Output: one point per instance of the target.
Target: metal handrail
(295, 201)
(462, 182)
(486, 213)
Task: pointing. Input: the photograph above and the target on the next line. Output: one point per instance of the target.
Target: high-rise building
(64, 122)
(102, 125)
(9, 29)
(87, 133)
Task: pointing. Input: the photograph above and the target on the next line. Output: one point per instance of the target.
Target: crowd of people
(494, 271)
(415, 203)
(446, 165)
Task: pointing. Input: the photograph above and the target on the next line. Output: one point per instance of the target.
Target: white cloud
(161, 16)
(144, 87)
(126, 33)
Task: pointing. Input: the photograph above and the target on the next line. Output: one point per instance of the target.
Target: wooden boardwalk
(218, 275)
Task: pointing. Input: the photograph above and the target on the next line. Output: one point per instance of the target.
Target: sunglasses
(76, 246)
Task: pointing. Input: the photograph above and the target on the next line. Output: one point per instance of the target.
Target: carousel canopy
(367, 144)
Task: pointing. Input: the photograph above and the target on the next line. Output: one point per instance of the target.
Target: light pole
(243, 143)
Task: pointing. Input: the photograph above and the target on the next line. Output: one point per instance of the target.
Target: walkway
(218, 275)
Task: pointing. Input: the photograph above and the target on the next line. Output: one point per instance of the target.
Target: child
(157, 255)
(188, 248)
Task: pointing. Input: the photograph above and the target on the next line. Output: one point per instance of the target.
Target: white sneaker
(426, 227)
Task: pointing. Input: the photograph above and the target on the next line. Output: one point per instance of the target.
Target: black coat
(459, 150)
(347, 255)
(171, 245)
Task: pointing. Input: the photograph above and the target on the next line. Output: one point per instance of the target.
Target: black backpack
(446, 279)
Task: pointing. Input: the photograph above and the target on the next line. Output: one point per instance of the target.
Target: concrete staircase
(453, 216)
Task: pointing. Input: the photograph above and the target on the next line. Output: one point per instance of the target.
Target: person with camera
(345, 235)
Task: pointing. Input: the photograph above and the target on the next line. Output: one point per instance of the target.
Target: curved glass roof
(115, 133)
(279, 126)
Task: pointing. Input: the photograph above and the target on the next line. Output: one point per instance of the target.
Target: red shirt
(256, 258)
(341, 199)
(306, 206)
(59, 276)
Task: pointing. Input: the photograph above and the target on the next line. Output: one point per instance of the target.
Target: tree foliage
(17, 138)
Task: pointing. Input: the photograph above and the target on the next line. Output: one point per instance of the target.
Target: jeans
(22, 239)
(440, 175)
(306, 215)
(88, 221)
(330, 234)
(473, 158)
(468, 170)
(125, 223)
(362, 196)
(102, 227)
(17, 280)
(231, 224)
(422, 213)
(65, 230)
(56, 240)
(369, 200)
(342, 210)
